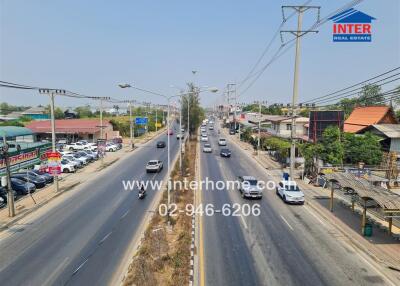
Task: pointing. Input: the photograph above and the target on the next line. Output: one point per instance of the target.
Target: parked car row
(24, 183)
(71, 161)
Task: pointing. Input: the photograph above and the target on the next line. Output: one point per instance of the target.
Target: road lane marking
(201, 242)
(80, 266)
(317, 218)
(124, 215)
(244, 222)
(105, 237)
(286, 222)
(49, 280)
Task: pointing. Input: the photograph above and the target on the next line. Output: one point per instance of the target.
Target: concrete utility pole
(180, 137)
(10, 195)
(101, 130)
(52, 93)
(298, 34)
(53, 136)
(156, 118)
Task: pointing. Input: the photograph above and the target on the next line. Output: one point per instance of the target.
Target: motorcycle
(142, 193)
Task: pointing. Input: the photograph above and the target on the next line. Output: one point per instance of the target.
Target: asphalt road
(284, 245)
(82, 239)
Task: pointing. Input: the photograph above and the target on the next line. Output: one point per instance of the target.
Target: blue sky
(90, 46)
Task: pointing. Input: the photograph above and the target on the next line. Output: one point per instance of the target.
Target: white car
(154, 166)
(75, 146)
(74, 162)
(249, 187)
(207, 148)
(66, 167)
(111, 147)
(290, 192)
(211, 127)
(77, 157)
(222, 142)
(179, 136)
(204, 138)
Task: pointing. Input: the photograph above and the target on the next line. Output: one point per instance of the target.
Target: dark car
(160, 144)
(232, 132)
(225, 152)
(39, 182)
(21, 187)
(49, 178)
(3, 196)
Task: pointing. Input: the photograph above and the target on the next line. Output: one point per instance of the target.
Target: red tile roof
(362, 117)
(70, 126)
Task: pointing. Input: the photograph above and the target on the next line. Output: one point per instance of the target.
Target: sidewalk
(26, 205)
(381, 247)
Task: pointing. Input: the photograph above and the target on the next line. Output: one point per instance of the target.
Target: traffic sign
(141, 120)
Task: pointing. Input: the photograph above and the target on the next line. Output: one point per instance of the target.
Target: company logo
(352, 26)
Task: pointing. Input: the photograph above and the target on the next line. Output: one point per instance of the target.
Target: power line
(250, 74)
(357, 90)
(291, 42)
(343, 89)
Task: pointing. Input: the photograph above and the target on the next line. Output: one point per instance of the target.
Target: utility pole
(180, 137)
(156, 118)
(52, 93)
(101, 132)
(10, 195)
(168, 166)
(298, 34)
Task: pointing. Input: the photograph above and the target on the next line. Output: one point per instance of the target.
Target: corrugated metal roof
(13, 131)
(389, 130)
(385, 198)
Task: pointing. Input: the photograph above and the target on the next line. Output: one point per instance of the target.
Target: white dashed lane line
(286, 222)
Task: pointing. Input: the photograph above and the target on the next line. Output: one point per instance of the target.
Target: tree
(362, 148)
(370, 95)
(331, 146)
(83, 111)
(196, 113)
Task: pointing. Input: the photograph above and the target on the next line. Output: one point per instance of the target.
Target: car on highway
(290, 193)
(21, 187)
(211, 127)
(225, 152)
(170, 132)
(179, 136)
(38, 181)
(161, 144)
(207, 148)
(67, 166)
(154, 166)
(204, 138)
(249, 188)
(222, 142)
(203, 129)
